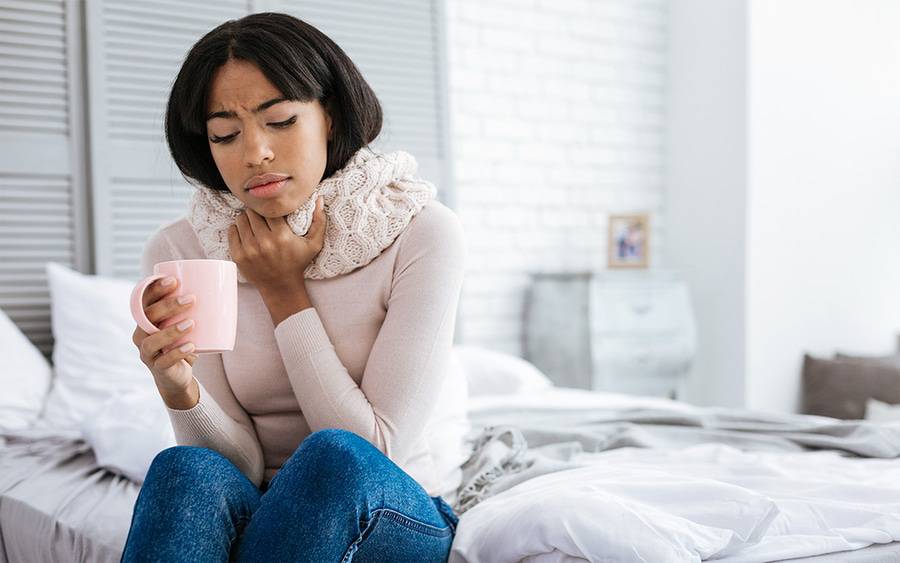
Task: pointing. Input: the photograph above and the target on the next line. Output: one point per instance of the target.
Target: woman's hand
(269, 254)
(172, 370)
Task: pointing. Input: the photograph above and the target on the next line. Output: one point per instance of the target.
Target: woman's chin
(274, 209)
(281, 206)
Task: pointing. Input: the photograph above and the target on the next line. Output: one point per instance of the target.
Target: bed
(582, 475)
(58, 504)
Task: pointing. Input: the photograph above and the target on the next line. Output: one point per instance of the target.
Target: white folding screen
(134, 51)
(85, 175)
(43, 195)
(398, 47)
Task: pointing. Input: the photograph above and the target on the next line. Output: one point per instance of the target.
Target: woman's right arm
(217, 421)
(204, 411)
(182, 400)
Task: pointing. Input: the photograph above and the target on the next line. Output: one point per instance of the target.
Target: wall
(557, 115)
(706, 162)
(824, 237)
(782, 187)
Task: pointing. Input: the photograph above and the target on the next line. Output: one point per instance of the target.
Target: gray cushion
(893, 360)
(840, 387)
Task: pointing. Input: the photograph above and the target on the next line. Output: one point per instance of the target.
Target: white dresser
(622, 331)
(643, 335)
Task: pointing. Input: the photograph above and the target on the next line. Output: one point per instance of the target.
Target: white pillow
(882, 412)
(489, 372)
(24, 378)
(128, 431)
(93, 355)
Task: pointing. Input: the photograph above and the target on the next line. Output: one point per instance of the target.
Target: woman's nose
(257, 149)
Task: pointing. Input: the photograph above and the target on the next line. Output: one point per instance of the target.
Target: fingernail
(187, 347)
(168, 281)
(184, 324)
(185, 299)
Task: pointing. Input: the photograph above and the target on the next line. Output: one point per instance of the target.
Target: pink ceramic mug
(214, 283)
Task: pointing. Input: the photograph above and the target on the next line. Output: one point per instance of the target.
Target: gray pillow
(840, 387)
(892, 360)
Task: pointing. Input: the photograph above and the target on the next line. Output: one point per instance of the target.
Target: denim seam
(351, 550)
(238, 530)
(447, 513)
(417, 525)
(401, 519)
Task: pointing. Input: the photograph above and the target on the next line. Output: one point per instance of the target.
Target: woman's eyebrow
(259, 108)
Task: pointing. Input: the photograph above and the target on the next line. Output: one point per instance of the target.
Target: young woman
(334, 429)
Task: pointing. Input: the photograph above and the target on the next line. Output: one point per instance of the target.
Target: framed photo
(628, 241)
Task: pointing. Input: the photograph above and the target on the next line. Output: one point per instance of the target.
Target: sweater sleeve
(408, 361)
(217, 421)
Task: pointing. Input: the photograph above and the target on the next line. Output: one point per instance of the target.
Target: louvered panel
(131, 46)
(133, 93)
(42, 197)
(144, 44)
(139, 207)
(377, 36)
(36, 226)
(32, 89)
(137, 189)
(13, 26)
(134, 60)
(48, 104)
(144, 57)
(219, 10)
(34, 6)
(29, 53)
(33, 67)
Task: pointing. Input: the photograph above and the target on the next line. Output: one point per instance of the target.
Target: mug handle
(137, 303)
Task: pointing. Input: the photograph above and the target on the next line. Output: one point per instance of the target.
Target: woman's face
(249, 136)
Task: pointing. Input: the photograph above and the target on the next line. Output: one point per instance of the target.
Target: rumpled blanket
(512, 443)
(599, 477)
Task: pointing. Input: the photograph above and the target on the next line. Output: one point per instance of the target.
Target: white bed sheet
(59, 506)
(826, 502)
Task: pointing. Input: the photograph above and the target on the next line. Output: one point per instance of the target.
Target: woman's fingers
(245, 233)
(152, 345)
(156, 290)
(168, 307)
(138, 336)
(316, 232)
(258, 223)
(173, 356)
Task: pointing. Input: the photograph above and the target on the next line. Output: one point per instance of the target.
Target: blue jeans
(336, 499)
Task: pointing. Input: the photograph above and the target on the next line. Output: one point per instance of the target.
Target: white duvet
(710, 501)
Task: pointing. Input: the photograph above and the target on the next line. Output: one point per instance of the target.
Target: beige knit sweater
(373, 356)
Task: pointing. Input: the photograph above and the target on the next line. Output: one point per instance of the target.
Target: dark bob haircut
(301, 61)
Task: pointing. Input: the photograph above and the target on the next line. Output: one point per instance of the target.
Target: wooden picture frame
(628, 241)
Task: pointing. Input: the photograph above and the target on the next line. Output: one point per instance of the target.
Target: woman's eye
(279, 124)
(223, 140)
(286, 122)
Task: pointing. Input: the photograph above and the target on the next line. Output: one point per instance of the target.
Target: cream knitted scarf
(367, 203)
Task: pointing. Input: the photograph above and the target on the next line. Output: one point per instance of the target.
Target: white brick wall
(557, 113)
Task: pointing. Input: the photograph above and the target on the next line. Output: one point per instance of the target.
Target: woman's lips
(271, 189)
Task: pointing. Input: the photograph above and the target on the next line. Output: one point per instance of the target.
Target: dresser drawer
(656, 309)
(660, 355)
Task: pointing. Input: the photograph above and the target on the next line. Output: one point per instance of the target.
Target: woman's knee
(336, 448)
(330, 456)
(185, 458)
(195, 469)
